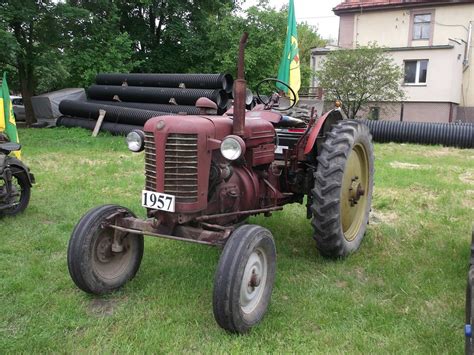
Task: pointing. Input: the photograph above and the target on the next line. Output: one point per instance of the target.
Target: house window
(421, 26)
(374, 113)
(415, 71)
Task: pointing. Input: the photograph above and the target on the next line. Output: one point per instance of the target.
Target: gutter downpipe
(468, 47)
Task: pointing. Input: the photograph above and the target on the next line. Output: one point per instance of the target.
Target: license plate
(158, 201)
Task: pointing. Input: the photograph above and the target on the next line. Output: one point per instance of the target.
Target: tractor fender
(329, 117)
(14, 162)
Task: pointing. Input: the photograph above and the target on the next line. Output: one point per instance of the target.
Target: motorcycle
(16, 180)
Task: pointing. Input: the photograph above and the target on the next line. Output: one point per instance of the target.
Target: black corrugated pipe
(189, 81)
(460, 135)
(113, 128)
(190, 110)
(156, 95)
(117, 114)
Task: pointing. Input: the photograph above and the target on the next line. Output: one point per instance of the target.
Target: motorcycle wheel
(22, 190)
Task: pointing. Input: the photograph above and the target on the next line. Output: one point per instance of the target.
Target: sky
(315, 12)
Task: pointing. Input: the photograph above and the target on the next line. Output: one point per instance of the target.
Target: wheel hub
(253, 281)
(355, 191)
(104, 250)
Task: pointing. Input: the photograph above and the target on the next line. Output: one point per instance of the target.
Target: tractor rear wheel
(342, 192)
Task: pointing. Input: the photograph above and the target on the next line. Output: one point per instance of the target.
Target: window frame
(417, 72)
(422, 25)
(414, 13)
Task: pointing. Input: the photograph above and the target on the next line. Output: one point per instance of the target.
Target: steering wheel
(274, 98)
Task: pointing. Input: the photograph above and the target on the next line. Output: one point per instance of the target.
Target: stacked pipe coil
(189, 81)
(131, 99)
(190, 110)
(115, 114)
(460, 135)
(156, 95)
(113, 128)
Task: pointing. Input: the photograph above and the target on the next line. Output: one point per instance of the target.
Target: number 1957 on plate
(158, 201)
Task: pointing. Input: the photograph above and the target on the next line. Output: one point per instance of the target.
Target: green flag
(7, 118)
(289, 70)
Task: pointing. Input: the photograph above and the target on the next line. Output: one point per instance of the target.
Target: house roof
(376, 5)
(326, 50)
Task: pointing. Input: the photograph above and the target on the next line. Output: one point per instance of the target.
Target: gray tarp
(46, 106)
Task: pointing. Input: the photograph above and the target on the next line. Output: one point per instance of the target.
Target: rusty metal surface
(164, 236)
(263, 154)
(238, 213)
(213, 235)
(317, 128)
(240, 87)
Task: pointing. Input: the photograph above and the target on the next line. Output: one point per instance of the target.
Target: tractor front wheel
(342, 192)
(244, 278)
(100, 259)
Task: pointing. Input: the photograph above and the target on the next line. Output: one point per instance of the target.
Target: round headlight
(135, 141)
(248, 96)
(232, 147)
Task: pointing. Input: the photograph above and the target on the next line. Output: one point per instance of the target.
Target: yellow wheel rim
(355, 187)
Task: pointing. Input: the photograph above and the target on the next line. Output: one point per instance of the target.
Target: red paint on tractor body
(186, 145)
(313, 134)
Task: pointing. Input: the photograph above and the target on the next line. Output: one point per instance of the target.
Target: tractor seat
(9, 147)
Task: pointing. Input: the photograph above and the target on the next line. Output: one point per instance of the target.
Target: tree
(267, 31)
(29, 29)
(169, 35)
(266, 28)
(94, 42)
(358, 76)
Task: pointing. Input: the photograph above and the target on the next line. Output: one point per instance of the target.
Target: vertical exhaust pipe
(240, 86)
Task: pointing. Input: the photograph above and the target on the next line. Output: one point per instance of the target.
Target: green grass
(403, 291)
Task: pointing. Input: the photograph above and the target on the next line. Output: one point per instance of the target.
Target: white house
(431, 40)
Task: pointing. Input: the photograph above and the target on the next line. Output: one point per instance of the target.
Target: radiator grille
(150, 162)
(181, 167)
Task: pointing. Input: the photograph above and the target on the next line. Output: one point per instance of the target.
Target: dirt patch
(92, 162)
(435, 306)
(102, 307)
(440, 152)
(409, 166)
(467, 177)
(341, 284)
(377, 217)
(360, 275)
(387, 192)
(423, 194)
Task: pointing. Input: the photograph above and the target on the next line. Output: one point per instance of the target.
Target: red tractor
(206, 174)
